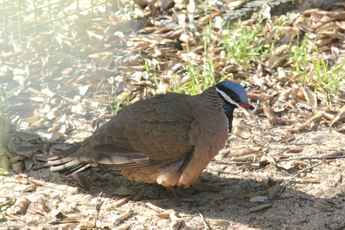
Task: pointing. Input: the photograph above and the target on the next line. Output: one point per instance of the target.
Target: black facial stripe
(230, 93)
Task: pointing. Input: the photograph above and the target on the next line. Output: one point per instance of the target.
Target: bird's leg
(177, 192)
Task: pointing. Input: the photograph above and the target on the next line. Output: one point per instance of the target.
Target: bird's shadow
(229, 204)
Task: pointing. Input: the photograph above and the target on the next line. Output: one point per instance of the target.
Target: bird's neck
(229, 110)
(217, 100)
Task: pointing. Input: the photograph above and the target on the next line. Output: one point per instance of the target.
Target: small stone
(319, 138)
(321, 206)
(222, 223)
(338, 178)
(123, 191)
(258, 199)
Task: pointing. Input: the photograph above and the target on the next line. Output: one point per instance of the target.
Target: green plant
(314, 70)
(241, 43)
(300, 55)
(329, 79)
(201, 76)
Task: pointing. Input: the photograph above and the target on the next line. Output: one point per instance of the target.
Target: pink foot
(177, 192)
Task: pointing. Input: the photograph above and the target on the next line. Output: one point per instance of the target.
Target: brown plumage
(168, 139)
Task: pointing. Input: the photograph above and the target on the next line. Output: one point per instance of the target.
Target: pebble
(319, 138)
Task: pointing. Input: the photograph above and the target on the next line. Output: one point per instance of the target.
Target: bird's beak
(247, 110)
(245, 106)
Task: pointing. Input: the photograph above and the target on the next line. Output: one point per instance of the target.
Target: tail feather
(70, 161)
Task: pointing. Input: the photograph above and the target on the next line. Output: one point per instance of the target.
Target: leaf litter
(61, 84)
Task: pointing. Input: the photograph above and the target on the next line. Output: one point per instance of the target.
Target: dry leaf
(241, 130)
(316, 118)
(273, 119)
(260, 207)
(273, 191)
(119, 218)
(120, 202)
(246, 158)
(20, 205)
(339, 117)
(306, 180)
(235, 4)
(310, 96)
(245, 151)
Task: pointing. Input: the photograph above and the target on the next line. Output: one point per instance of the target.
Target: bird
(168, 139)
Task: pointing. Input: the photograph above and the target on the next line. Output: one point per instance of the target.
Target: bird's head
(233, 94)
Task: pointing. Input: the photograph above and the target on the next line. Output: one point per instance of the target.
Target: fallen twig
(310, 158)
(292, 178)
(207, 227)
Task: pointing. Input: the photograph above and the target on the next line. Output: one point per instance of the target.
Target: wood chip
(35, 182)
(21, 205)
(273, 119)
(306, 180)
(123, 227)
(26, 188)
(81, 179)
(294, 150)
(273, 191)
(241, 130)
(120, 202)
(165, 214)
(247, 158)
(222, 223)
(260, 207)
(176, 222)
(154, 207)
(121, 217)
(339, 117)
(39, 207)
(251, 195)
(245, 151)
(317, 117)
(310, 96)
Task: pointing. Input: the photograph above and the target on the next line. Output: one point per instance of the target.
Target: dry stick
(311, 158)
(207, 227)
(279, 160)
(97, 208)
(292, 178)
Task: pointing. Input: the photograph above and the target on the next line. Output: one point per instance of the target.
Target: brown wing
(157, 127)
(148, 132)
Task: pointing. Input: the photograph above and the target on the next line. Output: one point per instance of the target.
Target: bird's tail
(70, 161)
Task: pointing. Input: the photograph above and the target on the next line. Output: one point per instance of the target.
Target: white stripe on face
(227, 98)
